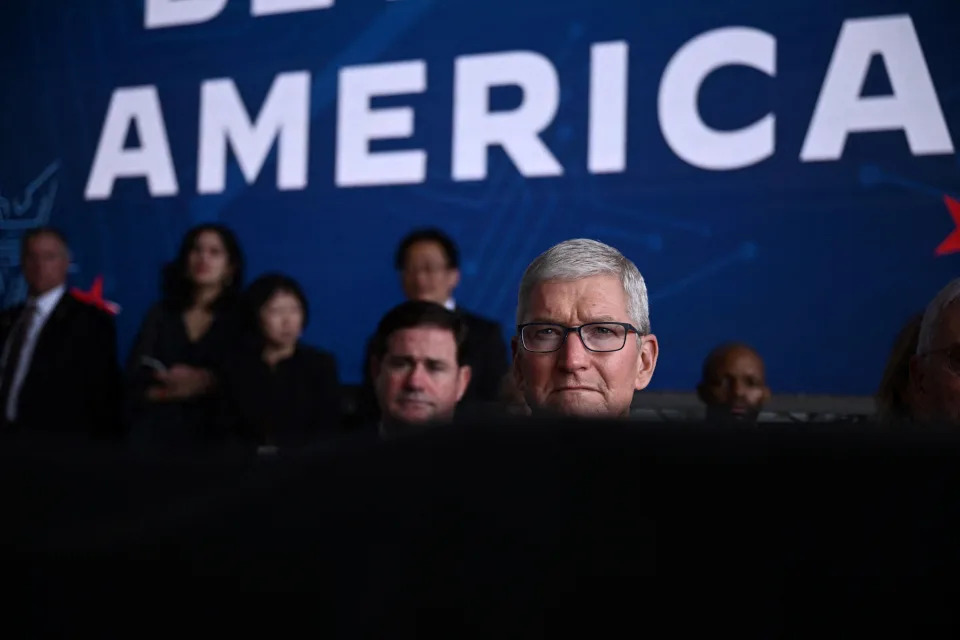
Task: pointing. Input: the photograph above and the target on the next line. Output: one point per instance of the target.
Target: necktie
(15, 347)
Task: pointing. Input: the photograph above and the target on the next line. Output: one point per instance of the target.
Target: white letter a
(140, 107)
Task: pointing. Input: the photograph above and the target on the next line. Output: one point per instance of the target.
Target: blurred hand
(180, 382)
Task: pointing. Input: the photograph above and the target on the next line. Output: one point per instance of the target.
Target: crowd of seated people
(217, 364)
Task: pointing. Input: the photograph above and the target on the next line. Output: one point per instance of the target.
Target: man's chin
(580, 408)
(415, 416)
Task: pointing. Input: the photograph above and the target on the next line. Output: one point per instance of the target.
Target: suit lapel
(8, 320)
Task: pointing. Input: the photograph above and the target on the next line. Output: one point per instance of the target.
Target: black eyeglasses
(603, 337)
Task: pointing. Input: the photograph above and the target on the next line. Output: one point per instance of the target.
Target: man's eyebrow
(542, 320)
(603, 318)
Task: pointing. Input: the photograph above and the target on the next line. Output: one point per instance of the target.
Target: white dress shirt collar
(48, 301)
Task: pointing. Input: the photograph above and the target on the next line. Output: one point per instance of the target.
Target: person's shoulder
(315, 359)
(309, 352)
(85, 309)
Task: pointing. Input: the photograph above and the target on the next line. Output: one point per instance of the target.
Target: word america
(283, 119)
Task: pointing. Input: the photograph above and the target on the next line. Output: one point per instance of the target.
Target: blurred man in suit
(418, 367)
(733, 385)
(429, 267)
(583, 343)
(59, 361)
(935, 369)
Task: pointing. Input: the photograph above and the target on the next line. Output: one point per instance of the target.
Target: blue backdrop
(815, 263)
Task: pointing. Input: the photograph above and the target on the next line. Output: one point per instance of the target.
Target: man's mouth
(414, 401)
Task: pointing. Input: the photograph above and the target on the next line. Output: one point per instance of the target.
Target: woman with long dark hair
(278, 392)
(176, 361)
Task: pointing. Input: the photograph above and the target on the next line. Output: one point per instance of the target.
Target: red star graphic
(95, 296)
(952, 243)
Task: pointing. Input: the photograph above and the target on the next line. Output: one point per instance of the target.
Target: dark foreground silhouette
(524, 529)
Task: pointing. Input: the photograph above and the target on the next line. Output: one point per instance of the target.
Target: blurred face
(573, 380)
(281, 320)
(45, 262)
(209, 263)
(426, 274)
(418, 381)
(935, 376)
(735, 386)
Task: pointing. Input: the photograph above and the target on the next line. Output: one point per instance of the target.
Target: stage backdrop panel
(782, 173)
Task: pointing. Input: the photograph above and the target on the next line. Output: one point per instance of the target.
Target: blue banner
(785, 174)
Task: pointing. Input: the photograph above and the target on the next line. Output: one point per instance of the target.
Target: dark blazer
(73, 385)
(292, 404)
(485, 352)
(186, 424)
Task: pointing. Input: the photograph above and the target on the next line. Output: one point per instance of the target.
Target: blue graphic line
(872, 175)
(501, 223)
(13, 212)
(637, 215)
(519, 263)
(651, 241)
(498, 276)
(493, 283)
(497, 231)
(477, 204)
(745, 253)
(392, 23)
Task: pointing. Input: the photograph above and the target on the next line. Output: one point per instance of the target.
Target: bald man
(734, 385)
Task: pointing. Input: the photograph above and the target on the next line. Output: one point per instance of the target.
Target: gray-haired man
(583, 342)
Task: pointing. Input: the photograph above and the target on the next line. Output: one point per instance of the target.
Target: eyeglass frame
(579, 330)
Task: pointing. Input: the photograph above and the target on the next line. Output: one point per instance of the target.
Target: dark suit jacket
(73, 383)
(485, 352)
(293, 404)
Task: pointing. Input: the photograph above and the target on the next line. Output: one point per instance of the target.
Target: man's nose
(738, 390)
(416, 379)
(421, 277)
(573, 355)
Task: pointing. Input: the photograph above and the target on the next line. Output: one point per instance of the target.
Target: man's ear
(649, 350)
(463, 380)
(766, 393)
(373, 367)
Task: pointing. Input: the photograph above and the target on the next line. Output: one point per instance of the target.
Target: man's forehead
(595, 297)
(423, 342)
(46, 242)
(425, 249)
(741, 360)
